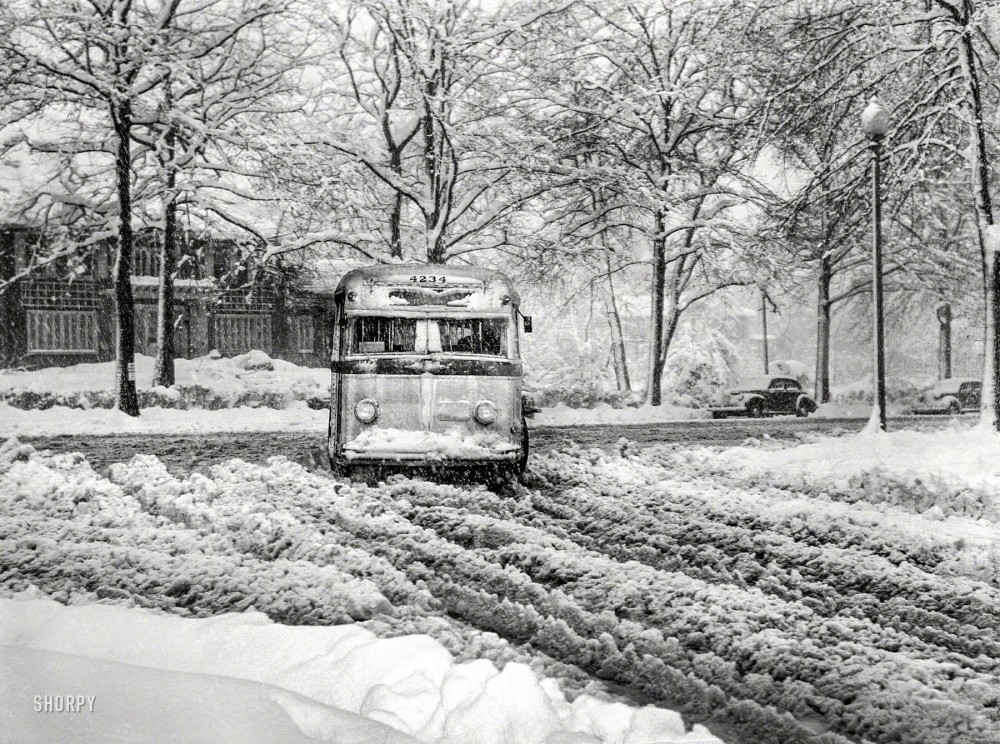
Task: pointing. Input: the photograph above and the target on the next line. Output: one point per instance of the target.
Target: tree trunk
(990, 406)
(669, 330)
(396, 215)
(823, 332)
(617, 337)
(163, 372)
(655, 365)
(434, 163)
(126, 398)
(944, 340)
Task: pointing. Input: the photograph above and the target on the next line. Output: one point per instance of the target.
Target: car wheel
(804, 407)
(954, 408)
(755, 409)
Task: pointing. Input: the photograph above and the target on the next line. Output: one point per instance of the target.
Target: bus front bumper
(423, 459)
(452, 449)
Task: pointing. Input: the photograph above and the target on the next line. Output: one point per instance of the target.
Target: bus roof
(460, 287)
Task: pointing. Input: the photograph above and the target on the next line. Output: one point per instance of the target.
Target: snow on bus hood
(381, 442)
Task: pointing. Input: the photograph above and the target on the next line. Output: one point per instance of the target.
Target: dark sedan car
(765, 396)
(954, 395)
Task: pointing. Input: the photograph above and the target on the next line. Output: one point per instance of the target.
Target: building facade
(64, 316)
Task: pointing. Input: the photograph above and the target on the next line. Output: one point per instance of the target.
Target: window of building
(62, 331)
(303, 334)
(238, 334)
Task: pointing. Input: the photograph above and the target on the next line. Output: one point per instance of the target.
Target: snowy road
(769, 613)
(184, 452)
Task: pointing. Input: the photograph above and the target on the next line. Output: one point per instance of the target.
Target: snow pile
(379, 442)
(252, 379)
(345, 683)
(146, 706)
(103, 421)
(562, 415)
(969, 457)
(902, 394)
(855, 409)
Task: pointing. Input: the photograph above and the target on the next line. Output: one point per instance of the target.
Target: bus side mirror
(527, 323)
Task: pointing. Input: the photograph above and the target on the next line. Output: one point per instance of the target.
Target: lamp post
(875, 125)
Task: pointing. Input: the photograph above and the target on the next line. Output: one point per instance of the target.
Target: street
(184, 452)
(648, 571)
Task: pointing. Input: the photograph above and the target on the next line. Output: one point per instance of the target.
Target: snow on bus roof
(377, 286)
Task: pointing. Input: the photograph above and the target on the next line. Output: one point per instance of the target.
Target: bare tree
(670, 112)
(227, 80)
(427, 98)
(103, 56)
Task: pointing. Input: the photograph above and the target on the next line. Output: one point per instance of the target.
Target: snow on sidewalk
(103, 421)
(330, 683)
(228, 376)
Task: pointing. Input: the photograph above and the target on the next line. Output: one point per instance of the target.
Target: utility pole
(763, 321)
(875, 124)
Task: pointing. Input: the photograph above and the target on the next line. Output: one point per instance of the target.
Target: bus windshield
(377, 335)
(386, 335)
(473, 335)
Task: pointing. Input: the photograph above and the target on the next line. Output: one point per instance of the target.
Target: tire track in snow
(764, 666)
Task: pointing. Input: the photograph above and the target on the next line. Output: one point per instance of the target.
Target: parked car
(954, 395)
(765, 396)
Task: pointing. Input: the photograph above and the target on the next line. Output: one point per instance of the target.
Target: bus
(427, 372)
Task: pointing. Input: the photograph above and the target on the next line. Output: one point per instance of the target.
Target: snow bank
(855, 409)
(843, 410)
(140, 705)
(297, 417)
(562, 415)
(101, 421)
(211, 381)
(962, 456)
(163, 678)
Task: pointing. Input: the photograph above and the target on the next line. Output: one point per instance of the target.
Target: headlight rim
(374, 409)
(488, 419)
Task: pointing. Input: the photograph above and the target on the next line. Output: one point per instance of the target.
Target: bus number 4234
(425, 279)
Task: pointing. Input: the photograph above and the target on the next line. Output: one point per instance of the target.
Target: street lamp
(875, 125)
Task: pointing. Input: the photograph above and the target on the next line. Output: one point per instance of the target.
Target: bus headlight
(486, 412)
(366, 411)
